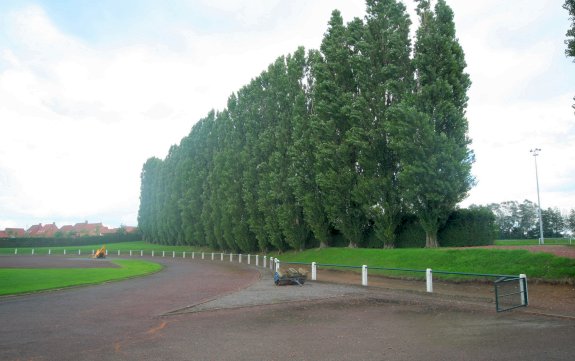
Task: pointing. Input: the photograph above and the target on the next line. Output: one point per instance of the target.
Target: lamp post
(535, 153)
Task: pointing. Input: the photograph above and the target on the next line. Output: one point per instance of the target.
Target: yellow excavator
(101, 253)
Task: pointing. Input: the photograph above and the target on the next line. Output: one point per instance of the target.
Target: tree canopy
(327, 146)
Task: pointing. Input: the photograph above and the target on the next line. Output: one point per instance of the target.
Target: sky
(89, 90)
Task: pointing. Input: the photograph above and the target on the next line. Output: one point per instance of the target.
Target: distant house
(15, 232)
(89, 229)
(38, 230)
(77, 230)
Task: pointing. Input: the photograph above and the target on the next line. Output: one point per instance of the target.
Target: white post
(240, 258)
(249, 259)
(15, 250)
(32, 251)
(212, 256)
(272, 263)
(277, 265)
(142, 253)
(152, 253)
(429, 280)
(364, 275)
(222, 257)
(193, 255)
(106, 252)
(184, 254)
(313, 271)
(118, 252)
(79, 252)
(64, 251)
(257, 260)
(163, 253)
(265, 257)
(523, 289)
(231, 257)
(202, 255)
(130, 253)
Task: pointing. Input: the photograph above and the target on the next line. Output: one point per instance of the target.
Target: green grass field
(17, 281)
(486, 261)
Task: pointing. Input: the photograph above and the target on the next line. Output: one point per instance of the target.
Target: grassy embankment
(485, 261)
(17, 281)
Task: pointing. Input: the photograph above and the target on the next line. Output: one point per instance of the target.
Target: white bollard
(32, 251)
(50, 252)
(222, 257)
(15, 250)
(212, 256)
(429, 280)
(118, 252)
(64, 251)
(106, 252)
(523, 289)
(257, 260)
(231, 257)
(249, 256)
(184, 255)
(313, 271)
(130, 253)
(271, 263)
(193, 255)
(163, 253)
(277, 265)
(79, 253)
(173, 254)
(202, 255)
(265, 257)
(364, 275)
(240, 258)
(152, 253)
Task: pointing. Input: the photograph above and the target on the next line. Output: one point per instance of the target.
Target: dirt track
(178, 315)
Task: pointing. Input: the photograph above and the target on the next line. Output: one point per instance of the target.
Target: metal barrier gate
(510, 293)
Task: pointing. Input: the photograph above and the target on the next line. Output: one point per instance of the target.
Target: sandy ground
(204, 310)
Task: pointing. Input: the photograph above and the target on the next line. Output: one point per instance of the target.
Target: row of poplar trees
(345, 139)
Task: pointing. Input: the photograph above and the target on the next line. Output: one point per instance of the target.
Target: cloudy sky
(91, 89)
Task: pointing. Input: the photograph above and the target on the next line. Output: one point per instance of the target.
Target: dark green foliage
(468, 227)
(22, 242)
(315, 151)
(570, 41)
(410, 234)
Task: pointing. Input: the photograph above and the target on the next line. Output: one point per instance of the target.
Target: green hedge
(63, 242)
(464, 228)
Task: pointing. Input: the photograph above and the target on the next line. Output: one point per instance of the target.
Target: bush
(64, 242)
(468, 227)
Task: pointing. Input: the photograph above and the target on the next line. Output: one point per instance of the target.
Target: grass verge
(540, 266)
(26, 280)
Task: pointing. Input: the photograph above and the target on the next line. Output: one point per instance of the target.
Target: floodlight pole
(535, 152)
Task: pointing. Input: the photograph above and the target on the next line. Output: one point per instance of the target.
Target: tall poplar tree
(431, 128)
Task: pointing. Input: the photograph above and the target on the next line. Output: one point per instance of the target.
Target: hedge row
(22, 242)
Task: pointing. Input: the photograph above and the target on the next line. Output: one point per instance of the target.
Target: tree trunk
(431, 240)
(352, 244)
(323, 244)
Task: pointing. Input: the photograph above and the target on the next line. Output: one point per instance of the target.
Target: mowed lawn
(541, 266)
(26, 280)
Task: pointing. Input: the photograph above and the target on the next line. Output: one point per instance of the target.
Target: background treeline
(516, 220)
(360, 143)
